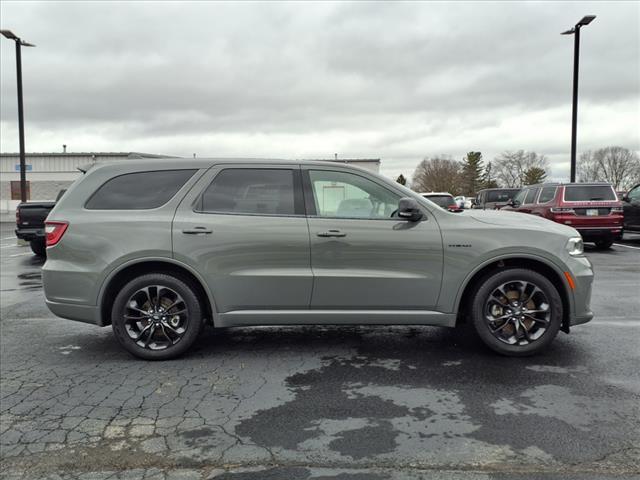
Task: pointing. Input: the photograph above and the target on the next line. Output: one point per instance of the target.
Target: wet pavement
(346, 403)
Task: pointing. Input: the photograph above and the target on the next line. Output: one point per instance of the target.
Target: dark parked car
(30, 217)
(494, 198)
(443, 199)
(631, 206)
(591, 208)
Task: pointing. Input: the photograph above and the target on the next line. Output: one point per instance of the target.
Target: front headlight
(575, 246)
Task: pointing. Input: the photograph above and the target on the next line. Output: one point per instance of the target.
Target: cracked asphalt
(347, 403)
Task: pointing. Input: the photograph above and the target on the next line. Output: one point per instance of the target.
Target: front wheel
(157, 316)
(517, 312)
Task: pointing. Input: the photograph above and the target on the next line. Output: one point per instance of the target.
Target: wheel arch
(124, 273)
(537, 264)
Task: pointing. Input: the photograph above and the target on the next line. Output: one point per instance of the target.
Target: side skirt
(238, 318)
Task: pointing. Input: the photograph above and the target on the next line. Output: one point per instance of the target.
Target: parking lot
(320, 402)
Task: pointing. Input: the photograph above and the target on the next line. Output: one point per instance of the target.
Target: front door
(632, 209)
(363, 257)
(243, 228)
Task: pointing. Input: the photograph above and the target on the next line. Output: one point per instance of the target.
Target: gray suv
(160, 249)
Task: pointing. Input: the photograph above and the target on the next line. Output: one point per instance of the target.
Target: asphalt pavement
(348, 403)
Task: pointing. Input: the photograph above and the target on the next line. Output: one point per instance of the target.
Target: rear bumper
(599, 233)
(29, 234)
(80, 313)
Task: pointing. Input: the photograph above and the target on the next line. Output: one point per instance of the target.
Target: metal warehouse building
(48, 173)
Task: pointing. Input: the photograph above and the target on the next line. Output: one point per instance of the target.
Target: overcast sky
(398, 81)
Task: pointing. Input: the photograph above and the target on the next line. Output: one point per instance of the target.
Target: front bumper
(582, 272)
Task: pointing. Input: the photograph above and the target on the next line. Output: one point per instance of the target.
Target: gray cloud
(391, 80)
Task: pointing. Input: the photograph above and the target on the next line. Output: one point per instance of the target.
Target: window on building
(251, 191)
(139, 191)
(347, 195)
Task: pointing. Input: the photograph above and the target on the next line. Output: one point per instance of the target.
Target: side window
(531, 196)
(258, 191)
(634, 194)
(347, 195)
(138, 191)
(547, 194)
(519, 198)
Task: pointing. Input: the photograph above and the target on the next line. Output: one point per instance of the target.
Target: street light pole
(574, 114)
(23, 166)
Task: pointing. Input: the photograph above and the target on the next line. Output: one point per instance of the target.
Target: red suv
(591, 208)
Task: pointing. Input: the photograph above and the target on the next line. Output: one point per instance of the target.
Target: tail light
(18, 216)
(562, 210)
(54, 232)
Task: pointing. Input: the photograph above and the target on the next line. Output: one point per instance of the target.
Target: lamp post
(19, 44)
(575, 31)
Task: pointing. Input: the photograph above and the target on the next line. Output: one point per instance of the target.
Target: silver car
(159, 250)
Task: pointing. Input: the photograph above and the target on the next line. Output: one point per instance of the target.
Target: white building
(48, 173)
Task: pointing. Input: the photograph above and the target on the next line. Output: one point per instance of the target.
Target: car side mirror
(625, 198)
(408, 209)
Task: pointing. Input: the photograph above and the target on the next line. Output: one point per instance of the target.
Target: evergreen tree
(487, 179)
(401, 180)
(533, 176)
(472, 173)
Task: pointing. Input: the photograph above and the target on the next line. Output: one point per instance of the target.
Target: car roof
(563, 184)
(436, 193)
(173, 163)
(496, 189)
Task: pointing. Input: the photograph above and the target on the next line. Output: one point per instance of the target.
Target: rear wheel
(39, 247)
(517, 312)
(157, 316)
(604, 244)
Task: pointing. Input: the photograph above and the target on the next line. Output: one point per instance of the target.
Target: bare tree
(437, 174)
(510, 167)
(618, 166)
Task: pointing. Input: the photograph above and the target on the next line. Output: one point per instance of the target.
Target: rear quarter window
(589, 193)
(138, 191)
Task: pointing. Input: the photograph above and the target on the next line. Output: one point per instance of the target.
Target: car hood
(520, 220)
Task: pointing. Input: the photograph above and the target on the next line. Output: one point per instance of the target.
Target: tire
(531, 336)
(160, 329)
(39, 248)
(604, 244)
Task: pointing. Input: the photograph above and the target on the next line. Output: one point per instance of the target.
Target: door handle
(331, 233)
(197, 231)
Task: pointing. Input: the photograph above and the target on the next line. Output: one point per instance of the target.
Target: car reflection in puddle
(30, 281)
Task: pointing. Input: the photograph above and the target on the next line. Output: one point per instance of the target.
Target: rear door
(243, 228)
(529, 201)
(545, 201)
(362, 257)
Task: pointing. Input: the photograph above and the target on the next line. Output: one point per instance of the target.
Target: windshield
(441, 200)
(586, 193)
(501, 195)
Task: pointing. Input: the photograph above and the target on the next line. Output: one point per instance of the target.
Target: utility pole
(575, 31)
(23, 167)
